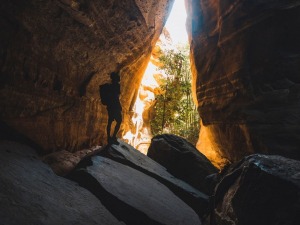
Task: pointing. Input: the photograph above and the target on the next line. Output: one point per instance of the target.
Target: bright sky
(176, 23)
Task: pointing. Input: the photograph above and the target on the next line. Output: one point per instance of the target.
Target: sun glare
(176, 23)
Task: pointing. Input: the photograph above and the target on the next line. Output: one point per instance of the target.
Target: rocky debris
(245, 60)
(261, 189)
(182, 160)
(63, 162)
(132, 196)
(127, 155)
(127, 187)
(30, 193)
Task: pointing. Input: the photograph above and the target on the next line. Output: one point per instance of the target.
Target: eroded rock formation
(54, 56)
(245, 57)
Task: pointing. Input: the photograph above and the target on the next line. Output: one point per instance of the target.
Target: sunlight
(176, 23)
(140, 134)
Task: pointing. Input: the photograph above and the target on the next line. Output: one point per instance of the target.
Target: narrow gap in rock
(165, 101)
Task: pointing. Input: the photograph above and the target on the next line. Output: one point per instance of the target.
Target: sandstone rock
(54, 56)
(63, 162)
(182, 160)
(245, 59)
(127, 155)
(132, 197)
(259, 190)
(30, 193)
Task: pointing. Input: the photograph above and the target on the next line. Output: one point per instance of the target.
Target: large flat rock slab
(126, 154)
(31, 194)
(131, 195)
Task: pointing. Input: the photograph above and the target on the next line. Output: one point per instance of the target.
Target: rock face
(54, 56)
(182, 160)
(245, 57)
(259, 190)
(132, 196)
(30, 193)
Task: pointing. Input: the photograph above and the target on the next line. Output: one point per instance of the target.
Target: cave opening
(165, 101)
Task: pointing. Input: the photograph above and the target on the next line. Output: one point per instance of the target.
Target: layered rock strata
(54, 56)
(245, 57)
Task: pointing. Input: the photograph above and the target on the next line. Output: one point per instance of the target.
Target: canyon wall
(56, 53)
(246, 60)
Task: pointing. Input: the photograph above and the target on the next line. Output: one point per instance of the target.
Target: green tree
(174, 110)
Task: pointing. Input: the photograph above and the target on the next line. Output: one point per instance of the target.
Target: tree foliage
(174, 110)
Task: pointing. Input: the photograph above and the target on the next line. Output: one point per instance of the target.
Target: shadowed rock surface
(246, 63)
(54, 54)
(259, 190)
(30, 193)
(132, 197)
(182, 160)
(127, 155)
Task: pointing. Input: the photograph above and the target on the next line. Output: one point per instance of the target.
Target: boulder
(127, 155)
(259, 190)
(182, 160)
(30, 193)
(132, 196)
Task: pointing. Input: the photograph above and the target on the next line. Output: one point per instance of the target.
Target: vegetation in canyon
(175, 111)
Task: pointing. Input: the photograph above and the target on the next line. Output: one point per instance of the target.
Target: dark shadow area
(84, 84)
(10, 134)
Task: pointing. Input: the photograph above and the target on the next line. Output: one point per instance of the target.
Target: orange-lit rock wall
(245, 56)
(138, 131)
(54, 56)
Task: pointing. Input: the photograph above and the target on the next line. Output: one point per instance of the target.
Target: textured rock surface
(182, 160)
(132, 197)
(55, 54)
(63, 162)
(246, 61)
(259, 190)
(127, 155)
(30, 193)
